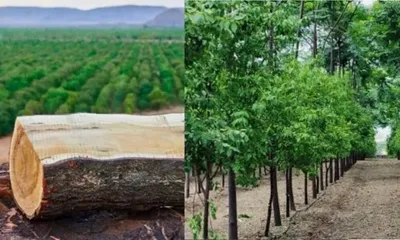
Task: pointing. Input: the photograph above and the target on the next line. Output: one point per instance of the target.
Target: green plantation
(97, 72)
(284, 85)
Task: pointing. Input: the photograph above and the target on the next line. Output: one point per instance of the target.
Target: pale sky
(382, 134)
(89, 4)
(368, 2)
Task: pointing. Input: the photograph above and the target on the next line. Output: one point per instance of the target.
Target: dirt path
(4, 148)
(252, 207)
(365, 204)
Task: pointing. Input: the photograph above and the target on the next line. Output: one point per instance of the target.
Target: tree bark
(321, 172)
(305, 189)
(314, 188)
(233, 230)
(299, 30)
(274, 186)
(199, 182)
(287, 193)
(6, 195)
(187, 185)
(87, 161)
(206, 194)
(292, 205)
(268, 224)
(330, 170)
(341, 167)
(326, 174)
(315, 36)
(336, 169)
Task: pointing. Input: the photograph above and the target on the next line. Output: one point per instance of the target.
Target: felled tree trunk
(61, 164)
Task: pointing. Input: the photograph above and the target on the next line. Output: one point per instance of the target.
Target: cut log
(60, 164)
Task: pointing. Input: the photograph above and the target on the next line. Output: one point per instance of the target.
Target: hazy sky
(88, 4)
(382, 134)
(368, 2)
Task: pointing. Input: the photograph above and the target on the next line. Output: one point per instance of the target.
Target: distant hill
(129, 14)
(173, 17)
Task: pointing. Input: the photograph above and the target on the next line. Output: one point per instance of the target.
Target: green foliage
(195, 225)
(130, 103)
(295, 112)
(145, 89)
(53, 99)
(158, 99)
(53, 71)
(33, 108)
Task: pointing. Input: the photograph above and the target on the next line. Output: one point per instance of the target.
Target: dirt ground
(157, 224)
(252, 202)
(4, 148)
(363, 204)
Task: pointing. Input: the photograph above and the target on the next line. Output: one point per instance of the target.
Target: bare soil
(252, 206)
(363, 204)
(4, 148)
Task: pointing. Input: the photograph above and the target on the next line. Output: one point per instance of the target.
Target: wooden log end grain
(62, 164)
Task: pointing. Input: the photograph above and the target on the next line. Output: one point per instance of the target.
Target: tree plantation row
(66, 77)
(329, 172)
(90, 34)
(284, 85)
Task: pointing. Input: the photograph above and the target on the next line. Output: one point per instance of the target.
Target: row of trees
(91, 34)
(114, 78)
(282, 85)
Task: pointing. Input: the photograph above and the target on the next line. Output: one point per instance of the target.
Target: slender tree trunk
(317, 184)
(187, 185)
(341, 167)
(330, 170)
(233, 229)
(321, 172)
(305, 189)
(223, 179)
(315, 35)
(314, 188)
(336, 169)
(299, 30)
(271, 45)
(199, 187)
(292, 205)
(326, 174)
(339, 57)
(206, 200)
(331, 59)
(277, 212)
(287, 193)
(268, 224)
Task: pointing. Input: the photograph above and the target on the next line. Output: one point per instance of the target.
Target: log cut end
(26, 173)
(60, 164)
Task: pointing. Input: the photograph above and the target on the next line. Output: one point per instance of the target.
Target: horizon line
(89, 9)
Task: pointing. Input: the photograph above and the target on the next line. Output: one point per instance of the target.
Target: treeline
(106, 34)
(66, 77)
(260, 94)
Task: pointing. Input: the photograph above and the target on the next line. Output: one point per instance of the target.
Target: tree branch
(337, 21)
